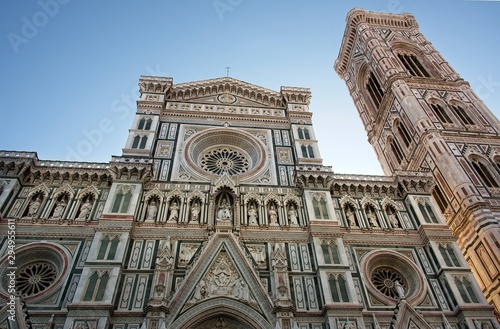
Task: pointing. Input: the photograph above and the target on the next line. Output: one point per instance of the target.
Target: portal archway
(224, 313)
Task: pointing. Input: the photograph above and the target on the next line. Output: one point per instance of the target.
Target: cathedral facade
(221, 214)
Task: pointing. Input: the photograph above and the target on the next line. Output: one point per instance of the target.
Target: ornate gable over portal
(221, 288)
(225, 91)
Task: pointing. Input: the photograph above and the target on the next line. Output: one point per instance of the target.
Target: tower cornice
(357, 17)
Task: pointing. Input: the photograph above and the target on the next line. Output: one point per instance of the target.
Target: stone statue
(350, 217)
(34, 206)
(152, 211)
(58, 211)
(292, 215)
(85, 210)
(273, 215)
(252, 216)
(399, 289)
(372, 217)
(174, 212)
(195, 213)
(224, 212)
(394, 219)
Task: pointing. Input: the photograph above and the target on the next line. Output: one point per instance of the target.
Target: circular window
(385, 278)
(225, 151)
(389, 274)
(41, 268)
(35, 278)
(225, 160)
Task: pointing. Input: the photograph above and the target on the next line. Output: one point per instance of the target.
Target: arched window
(412, 64)
(144, 140)
(374, 90)
(448, 255)
(396, 150)
(320, 208)
(311, 151)
(122, 201)
(148, 124)
(403, 132)
(338, 288)
(427, 212)
(96, 287)
(306, 134)
(135, 143)
(466, 290)
(440, 199)
(441, 113)
(141, 124)
(304, 151)
(301, 134)
(484, 173)
(462, 115)
(330, 253)
(108, 248)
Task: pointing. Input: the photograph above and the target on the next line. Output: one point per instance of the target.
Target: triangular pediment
(225, 91)
(222, 275)
(406, 317)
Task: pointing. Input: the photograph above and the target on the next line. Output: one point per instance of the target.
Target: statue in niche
(252, 215)
(195, 212)
(224, 211)
(273, 215)
(292, 215)
(393, 218)
(152, 210)
(59, 209)
(187, 252)
(372, 217)
(351, 216)
(85, 210)
(258, 254)
(174, 213)
(34, 206)
(399, 289)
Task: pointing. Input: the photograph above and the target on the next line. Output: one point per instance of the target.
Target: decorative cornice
(357, 17)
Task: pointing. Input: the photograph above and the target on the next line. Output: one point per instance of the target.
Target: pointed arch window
(466, 289)
(374, 90)
(330, 253)
(310, 151)
(301, 133)
(306, 134)
(484, 173)
(413, 65)
(462, 115)
(427, 212)
(338, 288)
(396, 150)
(135, 143)
(440, 199)
(449, 256)
(403, 132)
(108, 247)
(122, 201)
(144, 124)
(96, 286)
(144, 140)
(320, 208)
(304, 151)
(307, 151)
(441, 113)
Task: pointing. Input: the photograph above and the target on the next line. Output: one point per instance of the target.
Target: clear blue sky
(70, 69)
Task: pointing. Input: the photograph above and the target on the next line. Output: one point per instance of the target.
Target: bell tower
(420, 115)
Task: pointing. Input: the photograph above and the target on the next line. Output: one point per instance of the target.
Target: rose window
(384, 279)
(225, 160)
(35, 278)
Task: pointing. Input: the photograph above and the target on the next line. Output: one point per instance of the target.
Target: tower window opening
(374, 90)
(412, 64)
